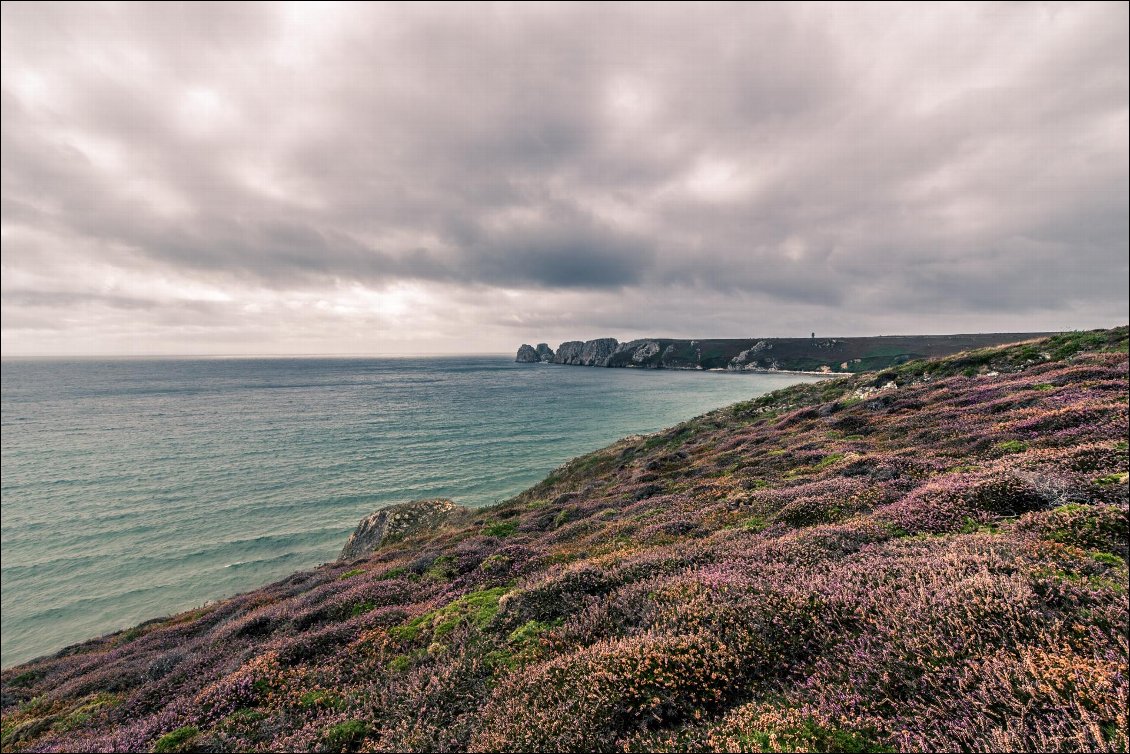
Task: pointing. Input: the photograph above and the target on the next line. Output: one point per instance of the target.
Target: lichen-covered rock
(398, 521)
(545, 353)
(527, 355)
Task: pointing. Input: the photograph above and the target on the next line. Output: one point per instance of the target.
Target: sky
(380, 179)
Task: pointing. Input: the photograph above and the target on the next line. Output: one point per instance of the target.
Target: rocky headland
(830, 355)
(928, 557)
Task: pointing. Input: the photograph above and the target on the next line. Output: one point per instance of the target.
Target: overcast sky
(311, 178)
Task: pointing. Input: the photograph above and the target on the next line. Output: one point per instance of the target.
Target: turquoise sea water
(132, 489)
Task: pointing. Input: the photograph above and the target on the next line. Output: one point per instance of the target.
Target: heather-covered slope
(929, 558)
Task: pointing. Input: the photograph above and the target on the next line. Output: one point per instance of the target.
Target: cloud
(664, 169)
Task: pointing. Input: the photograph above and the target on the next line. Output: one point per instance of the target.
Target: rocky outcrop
(595, 353)
(825, 356)
(590, 353)
(756, 358)
(527, 354)
(636, 353)
(569, 352)
(399, 521)
(644, 351)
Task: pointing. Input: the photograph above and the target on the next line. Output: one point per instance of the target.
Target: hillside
(927, 558)
(837, 355)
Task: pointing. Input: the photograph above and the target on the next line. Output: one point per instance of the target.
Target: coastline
(824, 355)
(363, 455)
(765, 521)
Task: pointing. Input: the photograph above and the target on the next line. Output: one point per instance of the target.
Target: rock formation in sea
(595, 353)
(545, 353)
(590, 353)
(569, 352)
(527, 355)
(826, 355)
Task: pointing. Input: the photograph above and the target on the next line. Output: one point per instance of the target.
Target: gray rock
(545, 353)
(752, 358)
(399, 521)
(527, 355)
(595, 353)
(677, 355)
(635, 353)
(569, 352)
(645, 352)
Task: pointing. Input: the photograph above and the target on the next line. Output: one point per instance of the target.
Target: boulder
(399, 521)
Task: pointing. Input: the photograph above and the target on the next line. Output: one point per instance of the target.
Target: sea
(136, 488)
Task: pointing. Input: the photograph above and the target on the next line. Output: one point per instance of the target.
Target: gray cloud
(456, 177)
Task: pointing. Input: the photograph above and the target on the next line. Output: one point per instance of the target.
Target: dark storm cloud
(882, 165)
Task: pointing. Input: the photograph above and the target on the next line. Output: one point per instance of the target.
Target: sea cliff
(832, 355)
(931, 557)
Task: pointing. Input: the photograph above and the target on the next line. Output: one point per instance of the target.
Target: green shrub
(442, 568)
(317, 698)
(1094, 527)
(361, 608)
(345, 735)
(812, 737)
(754, 523)
(494, 563)
(180, 739)
(500, 529)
